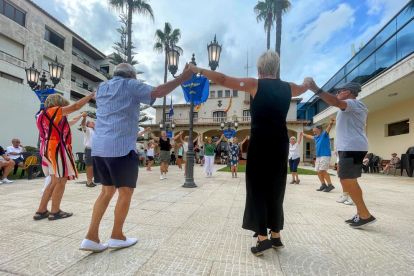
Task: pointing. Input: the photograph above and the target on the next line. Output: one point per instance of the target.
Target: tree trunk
(269, 26)
(130, 9)
(278, 32)
(165, 80)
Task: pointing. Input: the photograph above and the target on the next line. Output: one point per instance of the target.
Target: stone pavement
(198, 231)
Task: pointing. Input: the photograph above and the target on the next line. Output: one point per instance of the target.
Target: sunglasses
(340, 91)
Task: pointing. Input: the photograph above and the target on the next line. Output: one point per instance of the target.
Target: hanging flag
(43, 94)
(198, 107)
(171, 108)
(199, 87)
(228, 109)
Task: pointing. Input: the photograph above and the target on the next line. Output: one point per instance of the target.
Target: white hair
(293, 137)
(268, 63)
(125, 70)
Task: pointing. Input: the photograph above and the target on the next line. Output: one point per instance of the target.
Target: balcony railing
(87, 63)
(216, 120)
(81, 85)
(389, 46)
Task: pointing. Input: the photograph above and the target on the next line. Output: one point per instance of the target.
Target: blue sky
(317, 34)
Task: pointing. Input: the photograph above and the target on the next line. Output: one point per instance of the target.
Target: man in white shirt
(7, 163)
(88, 127)
(15, 152)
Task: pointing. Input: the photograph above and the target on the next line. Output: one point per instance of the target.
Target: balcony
(389, 46)
(80, 88)
(84, 68)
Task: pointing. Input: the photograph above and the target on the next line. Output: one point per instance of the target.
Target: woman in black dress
(265, 181)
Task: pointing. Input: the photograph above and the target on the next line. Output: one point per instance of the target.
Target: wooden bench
(383, 164)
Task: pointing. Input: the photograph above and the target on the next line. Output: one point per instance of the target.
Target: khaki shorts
(322, 163)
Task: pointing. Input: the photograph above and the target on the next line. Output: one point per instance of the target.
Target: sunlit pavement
(198, 231)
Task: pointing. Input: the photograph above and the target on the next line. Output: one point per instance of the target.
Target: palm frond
(142, 7)
(167, 28)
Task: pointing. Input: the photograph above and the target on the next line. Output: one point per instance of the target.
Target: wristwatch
(319, 91)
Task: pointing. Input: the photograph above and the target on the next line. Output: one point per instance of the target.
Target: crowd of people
(112, 159)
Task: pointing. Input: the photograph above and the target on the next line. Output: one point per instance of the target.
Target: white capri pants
(208, 164)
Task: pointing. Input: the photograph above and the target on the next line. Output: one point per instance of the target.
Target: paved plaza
(198, 231)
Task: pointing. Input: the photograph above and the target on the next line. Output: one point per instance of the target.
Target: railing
(78, 84)
(390, 45)
(217, 120)
(87, 63)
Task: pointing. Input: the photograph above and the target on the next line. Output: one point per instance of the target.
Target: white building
(29, 34)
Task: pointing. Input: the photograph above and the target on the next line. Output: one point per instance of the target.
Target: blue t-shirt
(323, 147)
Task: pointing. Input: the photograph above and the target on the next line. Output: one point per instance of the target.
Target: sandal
(262, 247)
(90, 185)
(41, 215)
(276, 242)
(58, 215)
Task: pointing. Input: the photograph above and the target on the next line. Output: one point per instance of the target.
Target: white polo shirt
(87, 138)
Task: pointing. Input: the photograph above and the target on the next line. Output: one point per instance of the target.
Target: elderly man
(7, 163)
(88, 128)
(114, 151)
(15, 152)
(323, 155)
(352, 144)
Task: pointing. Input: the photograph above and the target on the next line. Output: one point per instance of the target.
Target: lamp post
(229, 124)
(167, 125)
(214, 50)
(32, 75)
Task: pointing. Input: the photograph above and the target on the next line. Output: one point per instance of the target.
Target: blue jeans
(293, 164)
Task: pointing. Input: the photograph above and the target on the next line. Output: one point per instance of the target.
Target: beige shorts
(322, 163)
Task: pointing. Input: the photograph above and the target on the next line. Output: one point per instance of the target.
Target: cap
(354, 87)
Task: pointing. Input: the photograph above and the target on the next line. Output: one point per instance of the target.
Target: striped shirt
(116, 126)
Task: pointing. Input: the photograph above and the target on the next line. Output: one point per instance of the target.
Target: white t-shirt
(350, 127)
(150, 152)
(87, 138)
(294, 151)
(185, 145)
(13, 149)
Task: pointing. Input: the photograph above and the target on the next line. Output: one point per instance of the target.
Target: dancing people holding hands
(294, 158)
(234, 153)
(209, 155)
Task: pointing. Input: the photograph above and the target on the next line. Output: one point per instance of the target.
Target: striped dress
(56, 147)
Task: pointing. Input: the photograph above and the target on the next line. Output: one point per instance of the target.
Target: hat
(354, 87)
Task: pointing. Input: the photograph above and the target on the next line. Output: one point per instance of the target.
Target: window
(399, 128)
(195, 117)
(11, 47)
(332, 144)
(227, 93)
(54, 38)
(212, 94)
(105, 69)
(45, 63)
(235, 93)
(85, 85)
(218, 115)
(167, 117)
(10, 77)
(72, 78)
(11, 12)
(219, 94)
(246, 115)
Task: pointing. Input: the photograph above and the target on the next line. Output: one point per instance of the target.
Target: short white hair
(268, 63)
(125, 70)
(293, 137)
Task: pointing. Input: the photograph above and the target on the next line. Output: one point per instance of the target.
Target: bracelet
(319, 91)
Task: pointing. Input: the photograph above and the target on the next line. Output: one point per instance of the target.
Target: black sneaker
(277, 243)
(262, 247)
(329, 188)
(353, 219)
(363, 222)
(322, 187)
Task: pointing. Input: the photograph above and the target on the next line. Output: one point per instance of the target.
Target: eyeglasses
(340, 91)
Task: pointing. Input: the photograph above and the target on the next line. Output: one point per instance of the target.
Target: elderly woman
(269, 105)
(150, 153)
(393, 163)
(165, 147)
(57, 152)
(209, 155)
(294, 158)
(234, 154)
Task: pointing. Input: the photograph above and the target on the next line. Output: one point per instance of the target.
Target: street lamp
(168, 125)
(229, 124)
(214, 51)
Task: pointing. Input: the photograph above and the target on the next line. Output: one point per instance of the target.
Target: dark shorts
(18, 160)
(88, 157)
(180, 156)
(293, 164)
(151, 158)
(350, 164)
(117, 171)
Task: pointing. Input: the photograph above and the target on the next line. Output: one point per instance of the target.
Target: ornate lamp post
(214, 50)
(229, 124)
(167, 125)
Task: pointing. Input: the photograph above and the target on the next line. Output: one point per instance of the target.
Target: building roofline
(64, 26)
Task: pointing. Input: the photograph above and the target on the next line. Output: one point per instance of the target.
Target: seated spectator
(365, 163)
(15, 152)
(393, 163)
(7, 163)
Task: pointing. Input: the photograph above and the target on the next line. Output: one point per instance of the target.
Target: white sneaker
(1, 182)
(118, 244)
(342, 199)
(165, 176)
(349, 201)
(6, 181)
(88, 245)
(161, 177)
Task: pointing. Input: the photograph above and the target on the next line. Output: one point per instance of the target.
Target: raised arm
(176, 137)
(328, 129)
(300, 138)
(84, 122)
(308, 136)
(245, 139)
(74, 120)
(244, 84)
(327, 97)
(298, 90)
(154, 137)
(66, 110)
(181, 138)
(166, 88)
(195, 140)
(148, 129)
(221, 138)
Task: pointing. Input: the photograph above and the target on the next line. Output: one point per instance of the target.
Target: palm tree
(265, 12)
(281, 8)
(166, 40)
(133, 6)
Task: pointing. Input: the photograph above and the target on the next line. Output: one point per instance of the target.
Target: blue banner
(199, 87)
(169, 134)
(229, 133)
(43, 94)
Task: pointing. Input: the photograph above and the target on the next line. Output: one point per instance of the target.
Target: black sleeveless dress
(266, 177)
